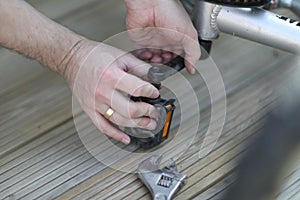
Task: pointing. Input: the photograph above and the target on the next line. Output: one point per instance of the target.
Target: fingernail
(126, 140)
(155, 93)
(193, 71)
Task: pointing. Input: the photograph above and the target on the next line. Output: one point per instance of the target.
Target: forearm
(28, 32)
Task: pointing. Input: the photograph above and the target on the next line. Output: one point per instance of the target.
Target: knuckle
(151, 110)
(136, 93)
(119, 121)
(102, 95)
(110, 76)
(144, 90)
(133, 112)
(143, 123)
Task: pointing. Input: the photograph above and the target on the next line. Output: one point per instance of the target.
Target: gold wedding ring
(109, 113)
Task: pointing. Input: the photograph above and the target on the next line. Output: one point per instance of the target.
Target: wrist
(74, 59)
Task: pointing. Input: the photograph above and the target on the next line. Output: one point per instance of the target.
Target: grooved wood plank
(217, 189)
(24, 119)
(245, 125)
(99, 179)
(42, 157)
(182, 165)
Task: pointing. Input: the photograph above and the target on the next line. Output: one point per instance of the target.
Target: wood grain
(42, 156)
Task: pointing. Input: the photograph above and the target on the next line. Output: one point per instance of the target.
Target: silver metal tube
(205, 15)
(261, 26)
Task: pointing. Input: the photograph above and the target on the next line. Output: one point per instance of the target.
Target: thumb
(192, 53)
(137, 67)
(134, 86)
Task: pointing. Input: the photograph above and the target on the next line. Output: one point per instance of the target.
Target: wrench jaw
(162, 183)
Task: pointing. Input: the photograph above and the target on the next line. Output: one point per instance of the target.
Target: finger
(189, 64)
(146, 55)
(136, 87)
(116, 118)
(156, 59)
(131, 109)
(143, 54)
(167, 55)
(111, 131)
(192, 52)
(138, 52)
(137, 67)
(142, 122)
(127, 108)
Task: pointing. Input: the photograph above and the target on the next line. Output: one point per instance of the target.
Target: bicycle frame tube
(261, 26)
(255, 24)
(294, 5)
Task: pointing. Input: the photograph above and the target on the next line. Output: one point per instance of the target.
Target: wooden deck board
(98, 186)
(216, 190)
(41, 155)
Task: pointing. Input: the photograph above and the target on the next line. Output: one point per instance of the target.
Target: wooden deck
(42, 156)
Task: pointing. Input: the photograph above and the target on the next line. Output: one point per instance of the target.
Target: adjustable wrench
(162, 183)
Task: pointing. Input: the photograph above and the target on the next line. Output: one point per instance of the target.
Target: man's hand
(174, 31)
(102, 77)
